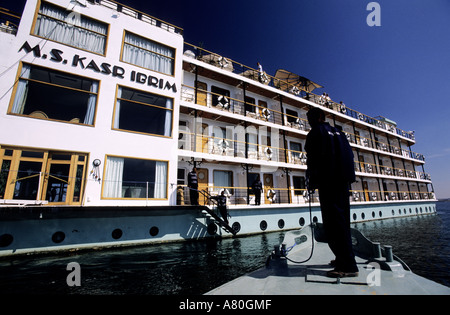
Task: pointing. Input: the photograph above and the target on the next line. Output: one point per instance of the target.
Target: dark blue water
(196, 267)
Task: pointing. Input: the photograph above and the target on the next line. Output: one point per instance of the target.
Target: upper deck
(296, 94)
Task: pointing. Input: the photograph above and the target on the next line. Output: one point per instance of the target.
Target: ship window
(63, 26)
(148, 54)
(299, 184)
(45, 94)
(223, 180)
(143, 112)
(250, 104)
(296, 150)
(42, 175)
(135, 178)
(291, 116)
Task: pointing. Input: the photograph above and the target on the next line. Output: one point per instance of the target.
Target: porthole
(212, 228)
(380, 214)
(355, 216)
(393, 212)
(58, 237)
(301, 221)
(281, 223)
(404, 211)
(6, 240)
(263, 225)
(373, 214)
(410, 211)
(236, 227)
(315, 220)
(116, 234)
(154, 231)
(363, 215)
(421, 210)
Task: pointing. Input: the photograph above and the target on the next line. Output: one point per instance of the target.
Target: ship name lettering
(104, 68)
(84, 63)
(142, 78)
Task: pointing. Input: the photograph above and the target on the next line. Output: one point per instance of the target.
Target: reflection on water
(197, 267)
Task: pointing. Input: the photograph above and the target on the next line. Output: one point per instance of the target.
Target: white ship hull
(55, 229)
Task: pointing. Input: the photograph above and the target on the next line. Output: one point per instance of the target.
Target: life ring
(365, 142)
(223, 100)
(262, 77)
(306, 195)
(343, 109)
(416, 195)
(405, 196)
(303, 158)
(223, 62)
(360, 116)
(269, 152)
(271, 195)
(356, 195)
(374, 196)
(392, 196)
(224, 145)
(265, 113)
(295, 90)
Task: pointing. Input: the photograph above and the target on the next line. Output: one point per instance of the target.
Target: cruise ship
(104, 110)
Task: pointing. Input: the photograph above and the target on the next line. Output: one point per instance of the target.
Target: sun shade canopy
(286, 80)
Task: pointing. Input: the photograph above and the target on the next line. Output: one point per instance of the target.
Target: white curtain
(117, 110)
(21, 91)
(89, 118)
(168, 120)
(148, 54)
(161, 180)
(72, 29)
(222, 179)
(252, 142)
(113, 178)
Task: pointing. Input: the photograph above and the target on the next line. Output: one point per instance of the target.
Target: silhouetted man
(330, 169)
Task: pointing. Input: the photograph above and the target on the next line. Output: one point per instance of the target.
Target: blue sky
(400, 70)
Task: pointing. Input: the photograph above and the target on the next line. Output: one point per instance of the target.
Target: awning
(286, 80)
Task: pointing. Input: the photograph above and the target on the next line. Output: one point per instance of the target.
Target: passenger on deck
(257, 188)
(222, 205)
(193, 186)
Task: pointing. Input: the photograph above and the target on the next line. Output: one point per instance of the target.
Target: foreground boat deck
(283, 277)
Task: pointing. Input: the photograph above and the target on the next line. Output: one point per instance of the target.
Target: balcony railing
(237, 148)
(382, 146)
(234, 106)
(370, 168)
(266, 79)
(245, 195)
